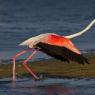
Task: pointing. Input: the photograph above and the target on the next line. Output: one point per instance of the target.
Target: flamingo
(54, 45)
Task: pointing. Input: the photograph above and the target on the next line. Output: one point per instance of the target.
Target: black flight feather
(61, 53)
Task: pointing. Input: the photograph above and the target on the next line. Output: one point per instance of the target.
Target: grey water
(22, 19)
(49, 86)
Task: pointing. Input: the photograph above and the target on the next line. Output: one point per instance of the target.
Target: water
(21, 19)
(49, 86)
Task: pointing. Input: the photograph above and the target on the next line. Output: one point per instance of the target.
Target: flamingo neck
(81, 32)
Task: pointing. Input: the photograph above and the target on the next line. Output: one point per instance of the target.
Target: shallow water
(48, 86)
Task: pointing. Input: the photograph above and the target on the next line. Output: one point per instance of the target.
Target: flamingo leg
(27, 67)
(14, 61)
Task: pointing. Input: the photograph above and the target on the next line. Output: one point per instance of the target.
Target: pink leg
(14, 59)
(27, 68)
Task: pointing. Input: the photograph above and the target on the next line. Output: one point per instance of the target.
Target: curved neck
(81, 32)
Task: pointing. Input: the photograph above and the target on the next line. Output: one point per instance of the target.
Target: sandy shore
(52, 68)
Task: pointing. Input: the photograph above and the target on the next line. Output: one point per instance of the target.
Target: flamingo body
(55, 46)
(52, 39)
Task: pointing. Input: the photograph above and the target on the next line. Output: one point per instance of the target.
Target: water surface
(48, 86)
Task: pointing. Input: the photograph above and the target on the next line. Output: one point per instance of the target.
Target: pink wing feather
(62, 41)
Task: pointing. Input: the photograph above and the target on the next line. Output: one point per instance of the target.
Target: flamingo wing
(61, 53)
(62, 41)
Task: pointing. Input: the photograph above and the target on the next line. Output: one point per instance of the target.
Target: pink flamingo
(59, 47)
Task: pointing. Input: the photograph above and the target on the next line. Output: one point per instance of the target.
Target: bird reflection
(47, 90)
(58, 90)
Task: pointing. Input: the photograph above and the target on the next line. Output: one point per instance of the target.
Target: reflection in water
(58, 90)
(51, 89)
(44, 90)
(49, 86)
